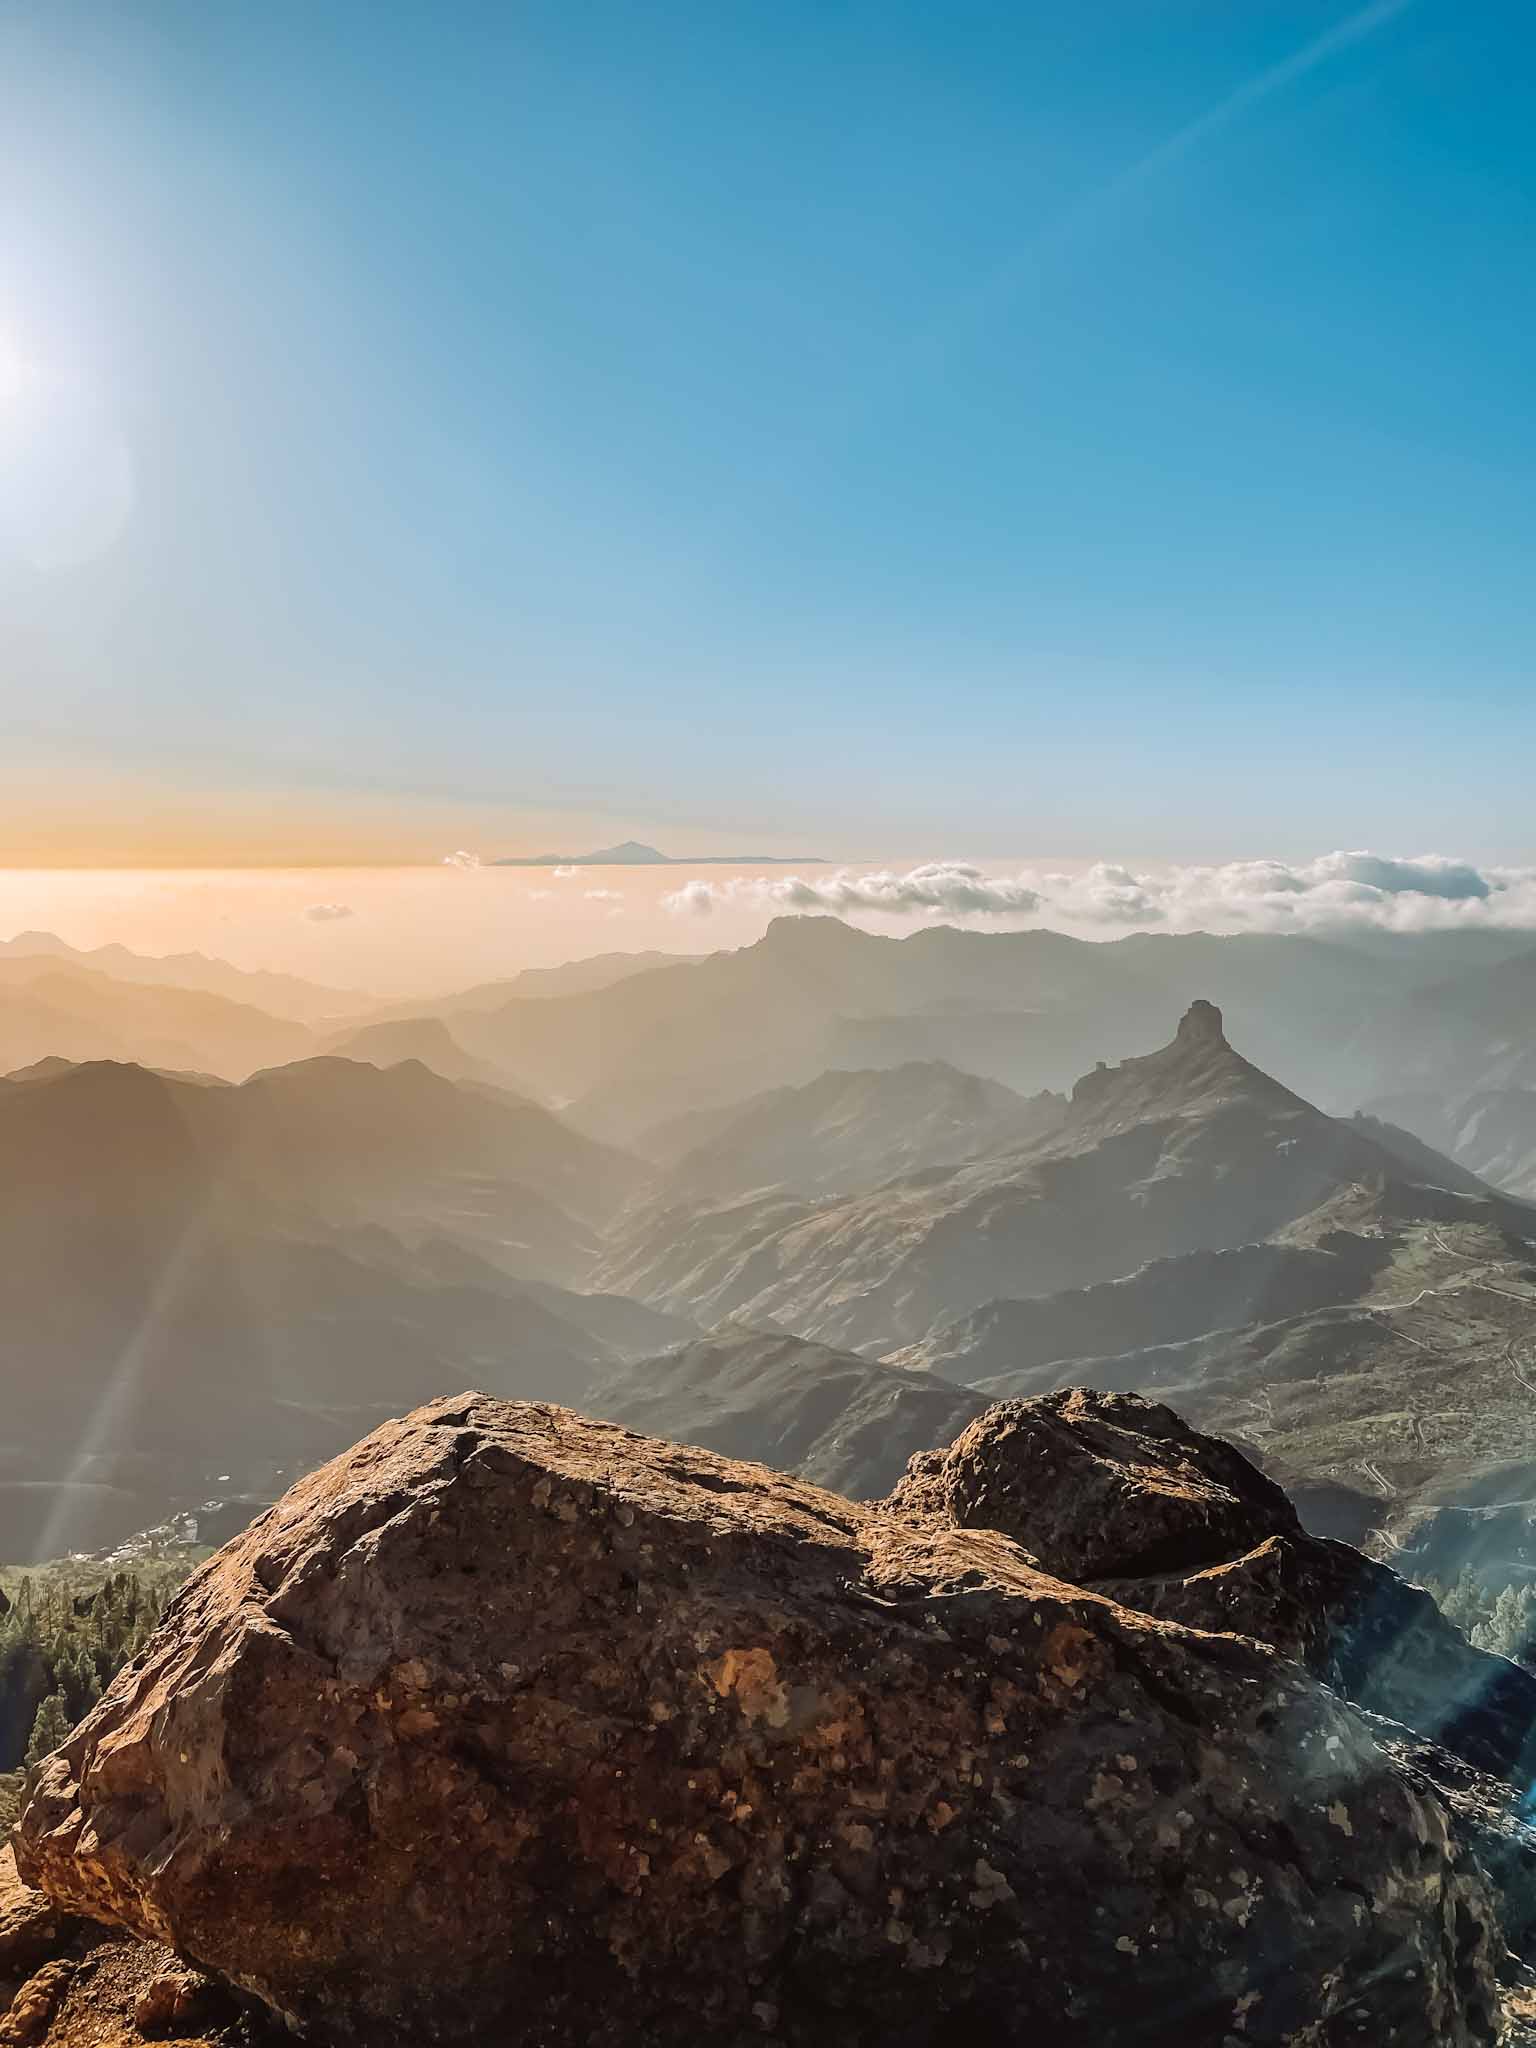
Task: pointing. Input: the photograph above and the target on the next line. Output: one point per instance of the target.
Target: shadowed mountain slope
(427, 1040)
(1465, 1034)
(844, 1131)
(1165, 1301)
(1492, 1132)
(827, 1416)
(52, 1009)
(1415, 1386)
(332, 1137)
(186, 1292)
(1188, 1149)
(405, 1133)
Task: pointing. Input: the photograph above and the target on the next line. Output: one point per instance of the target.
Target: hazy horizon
(430, 929)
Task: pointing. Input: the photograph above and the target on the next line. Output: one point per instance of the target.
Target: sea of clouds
(1332, 892)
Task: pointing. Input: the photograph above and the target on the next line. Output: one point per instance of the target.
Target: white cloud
(698, 899)
(564, 874)
(327, 913)
(461, 859)
(948, 886)
(1117, 895)
(1431, 874)
(1332, 892)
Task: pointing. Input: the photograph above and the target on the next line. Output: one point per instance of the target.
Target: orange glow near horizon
(64, 814)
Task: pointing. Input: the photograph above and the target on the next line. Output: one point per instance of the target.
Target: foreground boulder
(30, 1925)
(513, 1726)
(1120, 1494)
(67, 1983)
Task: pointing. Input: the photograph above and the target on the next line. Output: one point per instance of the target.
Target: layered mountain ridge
(1188, 1149)
(1329, 1289)
(208, 1285)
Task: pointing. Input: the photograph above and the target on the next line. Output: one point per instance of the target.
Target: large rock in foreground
(1119, 1493)
(30, 1925)
(512, 1726)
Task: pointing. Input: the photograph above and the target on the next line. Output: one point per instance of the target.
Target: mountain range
(842, 1131)
(628, 1041)
(1029, 1009)
(283, 995)
(672, 1191)
(1349, 1304)
(209, 1285)
(53, 1009)
(1191, 1149)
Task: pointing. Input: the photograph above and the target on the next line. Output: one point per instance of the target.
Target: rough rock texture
(512, 1726)
(175, 1999)
(30, 1924)
(1096, 1485)
(1120, 1494)
(33, 2007)
(66, 1983)
(108, 1991)
(1492, 1824)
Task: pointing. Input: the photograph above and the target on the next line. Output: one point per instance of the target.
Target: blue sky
(1085, 430)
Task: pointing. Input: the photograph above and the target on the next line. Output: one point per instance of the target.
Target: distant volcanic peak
(1201, 1024)
(633, 853)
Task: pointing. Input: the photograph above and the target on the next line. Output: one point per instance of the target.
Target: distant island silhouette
(632, 854)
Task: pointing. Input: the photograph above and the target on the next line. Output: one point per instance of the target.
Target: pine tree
(1511, 1626)
(66, 1634)
(1466, 1603)
(50, 1729)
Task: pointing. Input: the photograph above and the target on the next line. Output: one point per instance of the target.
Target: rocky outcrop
(30, 1924)
(36, 2003)
(1094, 1485)
(1120, 1494)
(513, 1725)
(1492, 1823)
(67, 1983)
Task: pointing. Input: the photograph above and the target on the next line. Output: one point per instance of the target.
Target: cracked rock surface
(513, 1726)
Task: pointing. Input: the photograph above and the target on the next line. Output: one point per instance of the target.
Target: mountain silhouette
(632, 853)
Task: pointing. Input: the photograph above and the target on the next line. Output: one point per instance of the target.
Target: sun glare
(18, 376)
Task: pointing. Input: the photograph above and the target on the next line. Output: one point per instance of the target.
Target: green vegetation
(66, 1630)
(1501, 1619)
